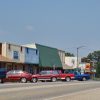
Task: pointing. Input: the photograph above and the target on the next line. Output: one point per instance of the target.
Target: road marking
(71, 94)
(43, 86)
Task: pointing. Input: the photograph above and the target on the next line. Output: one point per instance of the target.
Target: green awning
(48, 57)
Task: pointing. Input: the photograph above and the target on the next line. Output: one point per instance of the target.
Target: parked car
(18, 75)
(51, 75)
(2, 74)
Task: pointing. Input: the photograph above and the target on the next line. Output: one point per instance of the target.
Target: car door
(44, 75)
(48, 75)
(16, 75)
(56, 74)
(9, 76)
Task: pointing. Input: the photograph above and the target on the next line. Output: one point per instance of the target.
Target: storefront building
(19, 57)
(48, 57)
(32, 59)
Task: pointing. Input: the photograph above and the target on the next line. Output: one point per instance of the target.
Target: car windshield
(77, 73)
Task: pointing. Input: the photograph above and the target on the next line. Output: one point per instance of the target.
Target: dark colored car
(18, 75)
(81, 77)
(2, 74)
(51, 75)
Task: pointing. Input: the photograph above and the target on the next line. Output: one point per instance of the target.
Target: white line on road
(72, 94)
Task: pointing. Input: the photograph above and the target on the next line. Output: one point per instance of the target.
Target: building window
(0, 48)
(9, 46)
(36, 52)
(21, 49)
(27, 50)
(15, 55)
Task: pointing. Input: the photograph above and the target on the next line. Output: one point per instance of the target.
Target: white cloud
(29, 28)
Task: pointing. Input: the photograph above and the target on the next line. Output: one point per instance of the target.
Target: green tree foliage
(69, 54)
(85, 59)
(98, 69)
(95, 56)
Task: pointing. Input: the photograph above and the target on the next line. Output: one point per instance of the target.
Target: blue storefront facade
(32, 59)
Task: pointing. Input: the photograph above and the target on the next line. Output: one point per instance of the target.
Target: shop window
(23, 68)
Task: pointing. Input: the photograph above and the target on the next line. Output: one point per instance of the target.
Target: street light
(77, 54)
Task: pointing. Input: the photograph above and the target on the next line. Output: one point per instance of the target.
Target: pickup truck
(52, 75)
(81, 77)
(2, 75)
(78, 75)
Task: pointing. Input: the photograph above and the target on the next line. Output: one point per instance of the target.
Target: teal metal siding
(48, 57)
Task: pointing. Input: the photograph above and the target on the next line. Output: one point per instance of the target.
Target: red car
(52, 75)
(18, 75)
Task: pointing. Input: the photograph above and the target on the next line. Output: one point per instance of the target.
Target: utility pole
(78, 55)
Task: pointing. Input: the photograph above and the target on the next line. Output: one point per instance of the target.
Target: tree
(69, 54)
(95, 56)
(85, 59)
(98, 69)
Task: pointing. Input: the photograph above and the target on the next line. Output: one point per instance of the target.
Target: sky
(62, 24)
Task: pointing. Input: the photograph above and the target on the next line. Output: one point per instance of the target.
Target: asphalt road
(49, 90)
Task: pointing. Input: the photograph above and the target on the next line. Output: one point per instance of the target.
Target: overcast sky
(64, 24)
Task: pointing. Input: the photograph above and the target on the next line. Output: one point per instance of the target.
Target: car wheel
(67, 79)
(84, 79)
(53, 79)
(34, 80)
(23, 80)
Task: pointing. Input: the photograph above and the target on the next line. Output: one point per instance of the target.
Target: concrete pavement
(92, 94)
(47, 91)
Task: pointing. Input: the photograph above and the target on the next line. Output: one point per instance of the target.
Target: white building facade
(72, 61)
(19, 57)
(13, 52)
(62, 56)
